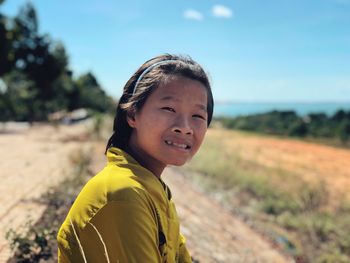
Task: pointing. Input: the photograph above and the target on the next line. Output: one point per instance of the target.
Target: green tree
(17, 98)
(319, 125)
(35, 72)
(339, 116)
(64, 88)
(91, 94)
(298, 128)
(6, 50)
(343, 131)
(41, 59)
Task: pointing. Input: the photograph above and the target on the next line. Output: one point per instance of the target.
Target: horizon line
(280, 102)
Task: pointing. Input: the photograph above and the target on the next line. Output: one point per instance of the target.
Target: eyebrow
(200, 106)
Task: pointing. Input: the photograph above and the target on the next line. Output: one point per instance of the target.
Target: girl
(125, 213)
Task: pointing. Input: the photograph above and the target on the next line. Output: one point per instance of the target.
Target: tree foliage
(36, 79)
(288, 123)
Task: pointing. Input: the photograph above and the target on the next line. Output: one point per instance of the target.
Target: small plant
(101, 126)
(332, 257)
(37, 242)
(32, 245)
(97, 126)
(279, 204)
(80, 160)
(314, 197)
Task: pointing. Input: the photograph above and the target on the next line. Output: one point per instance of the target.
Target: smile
(179, 145)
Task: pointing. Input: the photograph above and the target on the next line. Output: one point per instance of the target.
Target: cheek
(154, 124)
(201, 131)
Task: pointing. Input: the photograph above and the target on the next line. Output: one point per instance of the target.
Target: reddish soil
(308, 161)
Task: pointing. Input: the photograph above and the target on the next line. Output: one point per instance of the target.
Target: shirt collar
(155, 185)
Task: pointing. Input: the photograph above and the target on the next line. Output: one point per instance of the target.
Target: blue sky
(254, 51)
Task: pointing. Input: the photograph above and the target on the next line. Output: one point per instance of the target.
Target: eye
(168, 109)
(199, 116)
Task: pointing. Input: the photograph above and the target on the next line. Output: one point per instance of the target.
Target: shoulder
(110, 190)
(120, 184)
(127, 200)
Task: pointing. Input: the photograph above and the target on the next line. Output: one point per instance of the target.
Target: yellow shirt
(123, 214)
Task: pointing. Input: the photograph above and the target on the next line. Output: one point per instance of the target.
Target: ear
(130, 118)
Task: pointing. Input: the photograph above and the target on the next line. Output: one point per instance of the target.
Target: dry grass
(285, 162)
(296, 185)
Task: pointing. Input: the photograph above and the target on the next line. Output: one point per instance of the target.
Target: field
(301, 161)
(294, 190)
(279, 199)
(54, 162)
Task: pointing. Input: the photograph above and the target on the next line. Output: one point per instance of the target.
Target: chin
(178, 163)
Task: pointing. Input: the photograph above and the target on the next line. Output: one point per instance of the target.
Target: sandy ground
(33, 159)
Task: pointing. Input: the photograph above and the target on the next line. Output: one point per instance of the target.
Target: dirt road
(33, 159)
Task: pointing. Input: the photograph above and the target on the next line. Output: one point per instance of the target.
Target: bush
(33, 245)
(288, 123)
(313, 196)
(332, 257)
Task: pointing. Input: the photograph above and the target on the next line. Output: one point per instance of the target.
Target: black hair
(133, 98)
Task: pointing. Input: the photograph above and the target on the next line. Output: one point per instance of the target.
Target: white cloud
(193, 14)
(222, 11)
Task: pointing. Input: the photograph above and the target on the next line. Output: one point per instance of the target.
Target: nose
(182, 125)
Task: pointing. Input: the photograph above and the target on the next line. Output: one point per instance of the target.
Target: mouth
(178, 145)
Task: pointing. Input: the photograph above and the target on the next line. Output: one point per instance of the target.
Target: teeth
(180, 145)
(184, 146)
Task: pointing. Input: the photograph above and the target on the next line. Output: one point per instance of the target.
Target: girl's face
(170, 127)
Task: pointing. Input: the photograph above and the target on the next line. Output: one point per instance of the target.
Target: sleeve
(184, 255)
(121, 232)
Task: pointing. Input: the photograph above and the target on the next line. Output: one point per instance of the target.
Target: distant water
(241, 109)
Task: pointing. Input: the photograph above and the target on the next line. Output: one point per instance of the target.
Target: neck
(143, 159)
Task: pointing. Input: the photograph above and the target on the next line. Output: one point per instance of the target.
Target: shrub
(33, 245)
